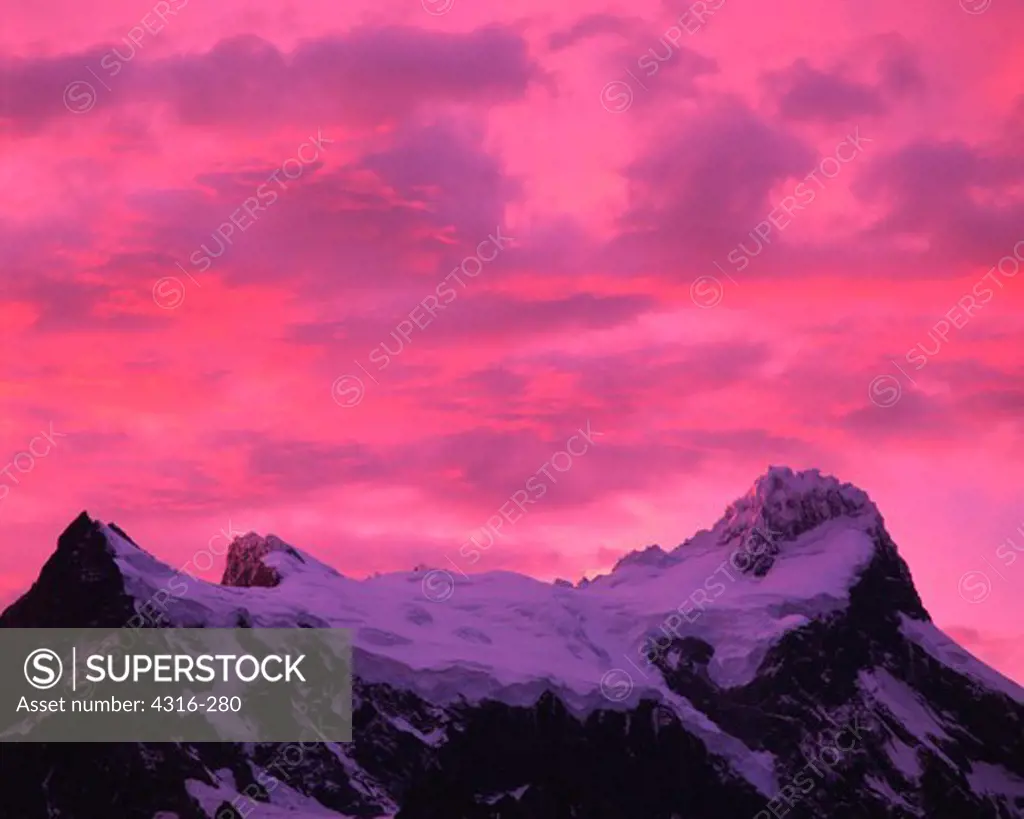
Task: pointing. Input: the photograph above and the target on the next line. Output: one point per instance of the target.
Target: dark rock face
(612, 764)
(806, 693)
(96, 781)
(806, 709)
(245, 565)
(80, 585)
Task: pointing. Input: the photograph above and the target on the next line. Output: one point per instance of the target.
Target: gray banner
(175, 685)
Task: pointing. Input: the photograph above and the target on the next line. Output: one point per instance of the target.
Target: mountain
(779, 664)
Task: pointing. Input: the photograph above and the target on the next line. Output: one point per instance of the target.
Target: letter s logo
(39, 669)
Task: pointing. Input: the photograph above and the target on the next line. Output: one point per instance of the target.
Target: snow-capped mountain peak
(783, 504)
(701, 682)
(780, 506)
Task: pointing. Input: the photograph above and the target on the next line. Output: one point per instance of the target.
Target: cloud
(806, 93)
(963, 200)
(899, 67)
(590, 26)
(368, 75)
(701, 187)
(888, 71)
(389, 224)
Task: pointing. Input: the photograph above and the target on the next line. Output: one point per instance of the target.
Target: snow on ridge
(780, 505)
(994, 780)
(907, 707)
(651, 556)
(740, 615)
(284, 802)
(935, 642)
(516, 626)
(512, 638)
(502, 634)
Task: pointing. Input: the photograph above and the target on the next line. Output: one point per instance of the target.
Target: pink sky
(189, 391)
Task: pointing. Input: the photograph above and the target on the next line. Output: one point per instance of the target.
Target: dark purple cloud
(808, 94)
(702, 187)
(370, 74)
(590, 26)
